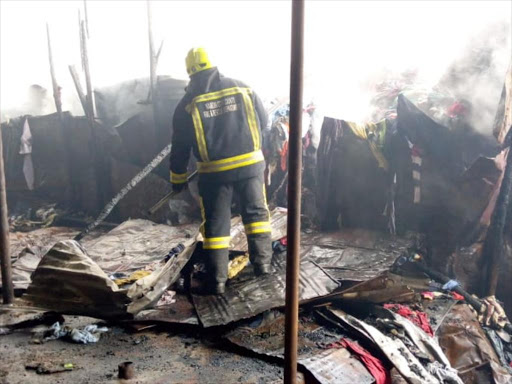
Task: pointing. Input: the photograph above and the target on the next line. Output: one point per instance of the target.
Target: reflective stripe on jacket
(220, 119)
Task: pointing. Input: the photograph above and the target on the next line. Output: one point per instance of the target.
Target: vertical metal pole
(5, 254)
(294, 193)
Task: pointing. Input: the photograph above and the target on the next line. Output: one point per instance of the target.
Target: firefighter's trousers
(216, 198)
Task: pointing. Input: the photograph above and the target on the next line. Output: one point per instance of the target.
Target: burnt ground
(167, 354)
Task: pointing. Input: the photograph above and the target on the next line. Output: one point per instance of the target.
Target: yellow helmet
(197, 60)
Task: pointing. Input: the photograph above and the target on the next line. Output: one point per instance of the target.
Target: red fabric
(306, 141)
(284, 241)
(416, 151)
(417, 317)
(456, 296)
(457, 109)
(284, 156)
(374, 365)
(428, 295)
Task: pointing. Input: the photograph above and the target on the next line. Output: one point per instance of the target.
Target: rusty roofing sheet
(354, 254)
(182, 311)
(247, 295)
(360, 238)
(336, 366)
(327, 365)
(69, 281)
(394, 349)
(136, 243)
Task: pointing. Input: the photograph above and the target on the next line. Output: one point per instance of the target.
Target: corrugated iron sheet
(135, 244)
(336, 366)
(182, 312)
(69, 281)
(394, 349)
(328, 366)
(247, 295)
(354, 254)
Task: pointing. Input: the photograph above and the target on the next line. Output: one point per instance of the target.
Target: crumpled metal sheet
(382, 289)
(328, 366)
(67, 280)
(468, 349)
(146, 291)
(437, 310)
(135, 244)
(278, 220)
(354, 254)
(182, 312)
(394, 349)
(425, 343)
(336, 366)
(27, 249)
(247, 295)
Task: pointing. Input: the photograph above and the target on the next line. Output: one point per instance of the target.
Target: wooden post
(85, 63)
(56, 91)
(494, 241)
(100, 167)
(86, 19)
(152, 56)
(153, 86)
(79, 90)
(5, 254)
(71, 196)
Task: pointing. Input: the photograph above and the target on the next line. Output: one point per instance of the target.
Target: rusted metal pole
(5, 254)
(294, 193)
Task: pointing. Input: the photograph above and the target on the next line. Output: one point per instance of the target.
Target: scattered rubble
(387, 260)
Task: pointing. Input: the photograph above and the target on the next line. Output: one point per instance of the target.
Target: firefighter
(220, 119)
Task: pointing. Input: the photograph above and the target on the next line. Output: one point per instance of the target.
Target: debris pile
(387, 260)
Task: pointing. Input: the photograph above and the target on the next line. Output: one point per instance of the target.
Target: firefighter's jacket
(220, 120)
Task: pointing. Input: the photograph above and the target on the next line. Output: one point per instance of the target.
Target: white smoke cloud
(350, 45)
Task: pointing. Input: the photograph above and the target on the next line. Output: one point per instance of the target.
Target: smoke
(350, 47)
(477, 76)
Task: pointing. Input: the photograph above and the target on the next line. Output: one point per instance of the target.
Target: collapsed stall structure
(400, 205)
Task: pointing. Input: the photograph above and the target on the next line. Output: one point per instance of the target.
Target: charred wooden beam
(71, 196)
(79, 90)
(494, 241)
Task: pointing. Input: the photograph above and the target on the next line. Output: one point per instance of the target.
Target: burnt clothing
(220, 119)
(216, 198)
